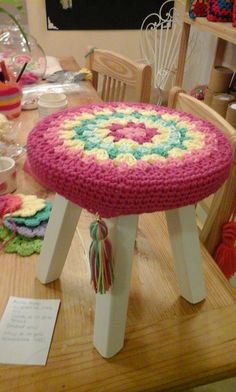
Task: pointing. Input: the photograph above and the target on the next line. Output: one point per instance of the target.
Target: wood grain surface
(170, 344)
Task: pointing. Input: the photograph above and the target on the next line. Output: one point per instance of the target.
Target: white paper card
(26, 330)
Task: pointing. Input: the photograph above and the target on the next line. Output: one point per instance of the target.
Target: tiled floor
(221, 386)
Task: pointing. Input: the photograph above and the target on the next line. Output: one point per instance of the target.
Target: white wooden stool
(111, 308)
(121, 160)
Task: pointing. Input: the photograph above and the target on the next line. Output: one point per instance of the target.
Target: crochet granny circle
(118, 159)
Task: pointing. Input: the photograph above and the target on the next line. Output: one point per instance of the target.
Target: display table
(121, 160)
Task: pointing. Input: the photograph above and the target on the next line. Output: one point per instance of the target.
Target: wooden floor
(170, 344)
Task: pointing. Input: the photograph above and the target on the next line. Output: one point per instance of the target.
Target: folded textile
(30, 205)
(19, 244)
(34, 220)
(69, 76)
(29, 232)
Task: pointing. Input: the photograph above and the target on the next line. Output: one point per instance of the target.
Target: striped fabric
(10, 99)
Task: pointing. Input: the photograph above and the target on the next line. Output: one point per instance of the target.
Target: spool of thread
(231, 114)
(220, 103)
(208, 96)
(220, 79)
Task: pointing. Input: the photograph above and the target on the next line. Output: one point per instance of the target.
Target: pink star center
(137, 132)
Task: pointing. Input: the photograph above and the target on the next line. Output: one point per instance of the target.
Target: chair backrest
(223, 201)
(159, 41)
(117, 72)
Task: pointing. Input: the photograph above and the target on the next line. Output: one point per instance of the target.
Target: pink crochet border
(113, 191)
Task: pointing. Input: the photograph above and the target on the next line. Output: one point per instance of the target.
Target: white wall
(4, 19)
(75, 42)
(126, 42)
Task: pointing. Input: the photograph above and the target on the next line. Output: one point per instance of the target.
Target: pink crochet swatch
(9, 203)
(119, 159)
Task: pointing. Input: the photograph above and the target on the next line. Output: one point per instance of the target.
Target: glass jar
(15, 52)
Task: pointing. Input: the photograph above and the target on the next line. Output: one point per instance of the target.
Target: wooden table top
(170, 344)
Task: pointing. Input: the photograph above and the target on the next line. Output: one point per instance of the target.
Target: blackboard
(100, 14)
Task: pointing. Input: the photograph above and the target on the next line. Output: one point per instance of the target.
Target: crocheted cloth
(21, 245)
(197, 8)
(29, 232)
(118, 159)
(220, 10)
(35, 220)
(234, 14)
(9, 203)
(30, 205)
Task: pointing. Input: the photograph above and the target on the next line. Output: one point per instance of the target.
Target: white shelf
(221, 30)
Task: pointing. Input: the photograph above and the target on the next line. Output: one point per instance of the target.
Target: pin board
(100, 14)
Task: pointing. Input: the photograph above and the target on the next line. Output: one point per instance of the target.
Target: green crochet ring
(19, 244)
(36, 219)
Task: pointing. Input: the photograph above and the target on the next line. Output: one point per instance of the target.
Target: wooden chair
(117, 73)
(223, 201)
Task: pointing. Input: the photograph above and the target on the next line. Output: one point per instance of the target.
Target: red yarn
(9, 204)
(225, 255)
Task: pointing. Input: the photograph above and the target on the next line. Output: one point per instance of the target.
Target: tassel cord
(100, 257)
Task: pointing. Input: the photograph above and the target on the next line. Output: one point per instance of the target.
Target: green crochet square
(19, 244)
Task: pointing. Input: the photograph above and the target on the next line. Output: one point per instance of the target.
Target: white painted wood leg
(111, 308)
(58, 237)
(186, 252)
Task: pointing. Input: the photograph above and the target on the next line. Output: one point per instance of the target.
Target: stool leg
(59, 234)
(111, 308)
(186, 252)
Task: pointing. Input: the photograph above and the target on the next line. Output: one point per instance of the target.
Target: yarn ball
(198, 92)
(119, 159)
(197, 8)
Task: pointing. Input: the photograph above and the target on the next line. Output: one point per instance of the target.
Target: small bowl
(7, 175)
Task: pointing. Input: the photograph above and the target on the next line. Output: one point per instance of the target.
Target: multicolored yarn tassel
(225, 255)
(100, 257)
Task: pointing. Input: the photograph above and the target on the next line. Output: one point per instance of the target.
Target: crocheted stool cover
(119, 159)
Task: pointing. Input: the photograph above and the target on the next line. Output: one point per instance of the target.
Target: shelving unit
(225, 32)
(222, 30)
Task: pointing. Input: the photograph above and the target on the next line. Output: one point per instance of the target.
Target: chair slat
(113, 90)
(108, 91)
(119, 68)
(117, 96)
(123, 89)
(103, 94)
(225, 198)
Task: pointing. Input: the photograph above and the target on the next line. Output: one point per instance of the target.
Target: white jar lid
(52, 100)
